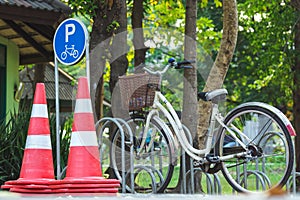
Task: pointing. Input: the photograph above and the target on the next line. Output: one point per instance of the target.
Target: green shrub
(12, 142)
(13, 136)
(65, 137)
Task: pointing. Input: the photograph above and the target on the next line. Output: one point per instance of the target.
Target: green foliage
(261, 68)
(113, 26)
(13, 139)
(166, 14)
(164, 33)
(12, 142)
(65, 138)
(163, 24)
(83, 8)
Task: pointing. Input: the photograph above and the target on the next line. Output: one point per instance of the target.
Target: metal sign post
(69, 43)
(87, 58)
(58, 168)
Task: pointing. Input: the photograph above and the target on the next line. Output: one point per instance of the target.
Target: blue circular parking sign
(69, 41)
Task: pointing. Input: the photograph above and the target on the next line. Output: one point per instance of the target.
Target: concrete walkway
(7, 196)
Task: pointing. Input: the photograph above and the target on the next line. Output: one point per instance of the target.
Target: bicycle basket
(138, 90)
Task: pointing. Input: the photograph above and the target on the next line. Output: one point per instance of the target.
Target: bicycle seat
(215, 95)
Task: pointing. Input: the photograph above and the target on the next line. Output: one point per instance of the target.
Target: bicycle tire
(150, 159)
(272, 151)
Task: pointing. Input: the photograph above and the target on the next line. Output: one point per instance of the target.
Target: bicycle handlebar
(185, 64)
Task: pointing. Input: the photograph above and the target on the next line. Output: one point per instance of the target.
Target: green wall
(12, 72)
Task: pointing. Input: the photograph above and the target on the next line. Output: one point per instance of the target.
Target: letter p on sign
(70, 30)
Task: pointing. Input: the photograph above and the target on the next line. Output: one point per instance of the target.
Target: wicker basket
(138, 90)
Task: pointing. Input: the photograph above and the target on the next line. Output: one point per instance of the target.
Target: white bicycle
(251, 145)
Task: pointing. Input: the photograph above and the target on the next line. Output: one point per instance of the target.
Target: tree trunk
(296, 97)
(99, 42)
(218, 72)
(119, 62)
(296, 90)
(190, 106)
(138, 33)
(118, 49)
(39, 73)
(109, 24)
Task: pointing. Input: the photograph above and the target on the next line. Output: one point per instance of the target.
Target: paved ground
(7, 196)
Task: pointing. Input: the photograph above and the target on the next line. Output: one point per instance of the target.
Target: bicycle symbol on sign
(69, 51)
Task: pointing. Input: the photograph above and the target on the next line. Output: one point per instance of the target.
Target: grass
(223, 187)
(209, 185)
(205, 182)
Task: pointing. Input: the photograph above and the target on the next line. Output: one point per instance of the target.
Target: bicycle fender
(272, 109)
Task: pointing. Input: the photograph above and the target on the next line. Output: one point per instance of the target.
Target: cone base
(87, 190)
(89, 180)
(5, 187)
(65, 191)
(41, 181)
(60, 186)
(31, 191)
(31, 186)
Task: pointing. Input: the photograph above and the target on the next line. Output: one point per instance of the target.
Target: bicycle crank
(211, 164)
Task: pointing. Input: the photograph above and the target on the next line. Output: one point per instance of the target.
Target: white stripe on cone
(83, 106)
(38, 142)
(39, 110)
(84, 138)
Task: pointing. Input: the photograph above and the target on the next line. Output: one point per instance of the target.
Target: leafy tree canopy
(261, 67)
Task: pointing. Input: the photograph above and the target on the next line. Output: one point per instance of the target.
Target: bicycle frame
(241, 144)
(169, 112)
(200, 154)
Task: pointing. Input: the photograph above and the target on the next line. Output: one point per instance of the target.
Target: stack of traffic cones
(37, 166)
(83, 173)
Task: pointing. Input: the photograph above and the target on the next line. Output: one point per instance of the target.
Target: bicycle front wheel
(267, 157)
(153, 165)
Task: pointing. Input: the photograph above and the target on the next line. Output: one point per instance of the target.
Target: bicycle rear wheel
(270, 153)
(152, 166)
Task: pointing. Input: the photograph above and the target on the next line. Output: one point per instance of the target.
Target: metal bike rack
(192, 174)
(123, 125)
(212, 180)
(261, 178)
(291, 183)
(120, 123)
(150, 170)
(213, 183)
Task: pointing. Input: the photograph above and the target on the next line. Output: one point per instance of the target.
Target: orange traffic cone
(83, 158)
(37, 161)
(83, 172)
(37, 165)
